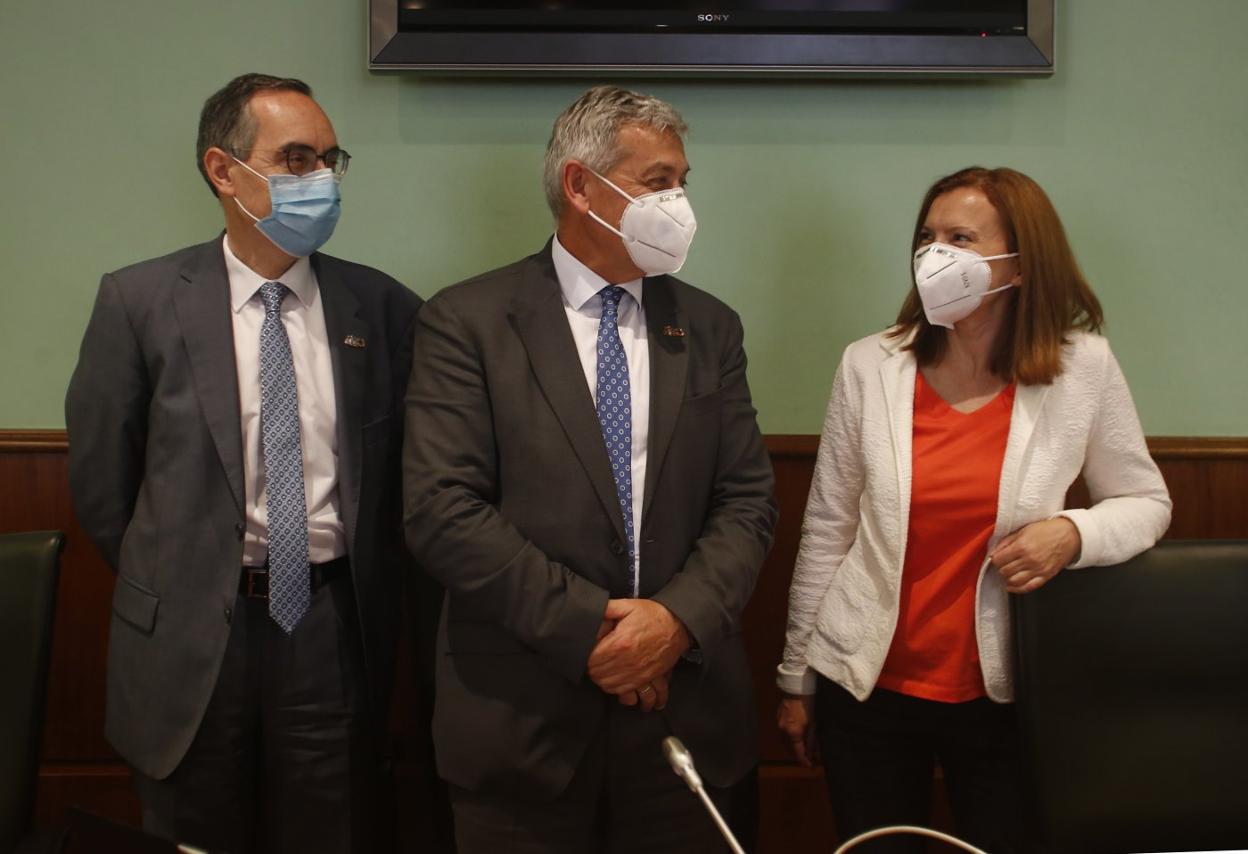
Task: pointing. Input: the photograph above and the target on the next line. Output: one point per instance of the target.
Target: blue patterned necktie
(289, 579)
(615, 413)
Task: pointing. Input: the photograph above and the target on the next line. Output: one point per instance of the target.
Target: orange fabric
(956, 469)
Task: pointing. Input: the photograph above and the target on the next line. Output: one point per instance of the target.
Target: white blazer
(843, 602)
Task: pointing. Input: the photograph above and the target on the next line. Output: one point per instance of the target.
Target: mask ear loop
(1004, 287)
(998, 258)
(636, 200)
(626, 238)
(602, 221)
(632, 201)
(241, 206)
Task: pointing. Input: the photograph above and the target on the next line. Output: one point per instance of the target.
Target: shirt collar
(581, 284)
(245, 282)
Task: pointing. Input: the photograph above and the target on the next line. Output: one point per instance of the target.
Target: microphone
(681, 760)
(682, 763)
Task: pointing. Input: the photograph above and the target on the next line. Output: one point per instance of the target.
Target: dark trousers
(282, 761)
(879, 757)
(623, 799)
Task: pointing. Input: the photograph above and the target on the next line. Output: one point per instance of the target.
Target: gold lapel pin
(354, 341)
(673, 332)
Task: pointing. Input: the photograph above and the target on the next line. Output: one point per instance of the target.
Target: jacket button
(239, 529)
(228, 614)
(617, 548)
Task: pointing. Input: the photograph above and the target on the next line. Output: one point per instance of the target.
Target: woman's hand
(1033, 554)
(796, 719)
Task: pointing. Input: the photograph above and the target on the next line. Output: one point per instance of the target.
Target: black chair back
(29, 565)
(1133, 701)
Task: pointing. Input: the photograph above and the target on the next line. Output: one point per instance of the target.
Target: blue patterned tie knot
(272, 294)
(615, 413)
(285, 505)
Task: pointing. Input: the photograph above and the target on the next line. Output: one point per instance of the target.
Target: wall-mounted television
(715, 37)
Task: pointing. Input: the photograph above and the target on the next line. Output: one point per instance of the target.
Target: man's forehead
(648, 149)
(291, 116)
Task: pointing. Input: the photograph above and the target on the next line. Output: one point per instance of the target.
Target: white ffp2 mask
(656, 228)
(952, 282)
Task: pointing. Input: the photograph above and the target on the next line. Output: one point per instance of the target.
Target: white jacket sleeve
(829, 526)
(1130, 503)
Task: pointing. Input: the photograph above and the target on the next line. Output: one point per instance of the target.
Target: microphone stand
(681, 760)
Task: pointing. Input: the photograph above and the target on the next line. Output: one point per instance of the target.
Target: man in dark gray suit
(234, 453)
(584, 473)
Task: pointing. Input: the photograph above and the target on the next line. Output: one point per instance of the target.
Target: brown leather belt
(254, 581)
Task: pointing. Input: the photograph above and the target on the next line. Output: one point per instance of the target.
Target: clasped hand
(639, 643)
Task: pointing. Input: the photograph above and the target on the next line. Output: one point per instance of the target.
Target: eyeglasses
(302, 159)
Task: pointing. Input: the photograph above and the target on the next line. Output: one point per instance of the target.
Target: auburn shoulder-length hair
(1052, 300)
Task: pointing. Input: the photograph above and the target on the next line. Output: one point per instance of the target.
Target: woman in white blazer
(949, 444)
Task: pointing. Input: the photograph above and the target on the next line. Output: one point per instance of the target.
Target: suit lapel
(350, 372)
(669, 362)
(1028, 401)
(897, 376)
(202, 306)
(542, 324)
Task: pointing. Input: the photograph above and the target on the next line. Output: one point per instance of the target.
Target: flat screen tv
(715, 37)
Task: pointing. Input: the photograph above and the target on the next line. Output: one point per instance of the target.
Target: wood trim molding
(779, 444)
(1198, 447)
(33, 441)
(1161, 447)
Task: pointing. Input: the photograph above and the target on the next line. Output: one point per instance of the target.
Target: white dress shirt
(303, 315)
(583, 305)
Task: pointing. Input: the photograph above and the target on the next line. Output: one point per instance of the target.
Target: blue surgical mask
(303, 210)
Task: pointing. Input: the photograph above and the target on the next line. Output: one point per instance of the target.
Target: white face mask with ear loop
(953, 282)
(657, 228)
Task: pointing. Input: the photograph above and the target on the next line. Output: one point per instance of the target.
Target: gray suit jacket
(156, 471)
(510, 504)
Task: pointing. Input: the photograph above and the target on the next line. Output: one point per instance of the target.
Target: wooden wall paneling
(1208, 480)
(34, 470)
(102, 788)
(764, 618)
(78, 766)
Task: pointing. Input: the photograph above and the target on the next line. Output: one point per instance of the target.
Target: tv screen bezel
(712, 53)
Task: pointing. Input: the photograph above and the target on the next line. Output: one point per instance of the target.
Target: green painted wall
(805, 190)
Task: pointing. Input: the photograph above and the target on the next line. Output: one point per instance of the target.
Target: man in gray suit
(584, 473)
(234, 453)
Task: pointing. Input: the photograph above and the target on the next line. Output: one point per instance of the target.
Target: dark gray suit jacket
(156, 471)
(510, 504)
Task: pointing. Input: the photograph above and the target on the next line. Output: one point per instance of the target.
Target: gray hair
(588, 131)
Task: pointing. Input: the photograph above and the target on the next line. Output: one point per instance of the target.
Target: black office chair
(29, 566)
(1133, 701)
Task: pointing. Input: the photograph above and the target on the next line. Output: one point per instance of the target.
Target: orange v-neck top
(956, 475)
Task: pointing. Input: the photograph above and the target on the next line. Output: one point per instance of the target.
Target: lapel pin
(354, 341)
(673, 332)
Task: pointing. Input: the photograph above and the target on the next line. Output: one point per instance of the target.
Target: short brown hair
(1054, 298)
(226, 123)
